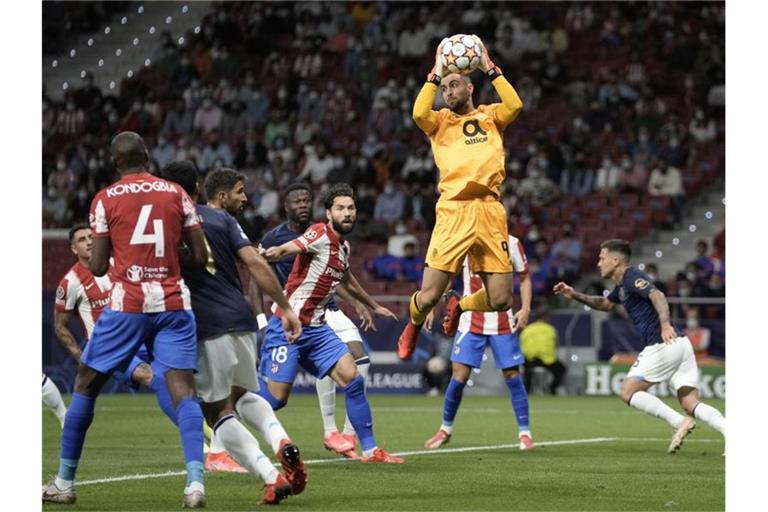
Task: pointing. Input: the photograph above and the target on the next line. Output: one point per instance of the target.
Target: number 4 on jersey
(140, 237)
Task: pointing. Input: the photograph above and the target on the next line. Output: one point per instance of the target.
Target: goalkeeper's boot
(295, 470)
(436, 441)
(351, 454)
(194, 496)
(526, 441)
(685, 428)
(276, 492)
(453, 314)
(52, 494)
(380, 455)
(406, 343)
(222, 462)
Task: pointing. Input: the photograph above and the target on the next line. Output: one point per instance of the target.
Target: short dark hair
(337, 190)
(77, 227)
(221, 180)
(296, 186)
(618, 245)
(183, 172)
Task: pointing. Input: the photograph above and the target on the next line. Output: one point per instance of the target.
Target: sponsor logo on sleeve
(641, 284)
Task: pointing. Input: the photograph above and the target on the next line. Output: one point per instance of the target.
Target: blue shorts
(142, 356)
(468, 349)
(317, 350)
(169, 337)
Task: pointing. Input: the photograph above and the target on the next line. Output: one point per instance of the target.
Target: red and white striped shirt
(144, 217)
(491, 323)
(81, 291)
(316, 273)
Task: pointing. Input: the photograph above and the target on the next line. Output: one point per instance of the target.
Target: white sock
(448, 428)
(63, 484)
(710, 416)
(326, 395)
(652, 405)
(363, 369)
(194, 486)
(259, 414)
(52, 399)
(216, 444)
(244, 448)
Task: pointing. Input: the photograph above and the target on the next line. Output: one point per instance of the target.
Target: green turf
(130, 436)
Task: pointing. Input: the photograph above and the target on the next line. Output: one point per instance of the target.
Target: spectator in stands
(667, 180)
(419, 166)
(216, 151)
(55, 208)
(397, 242)
(318, 164)
(652, 271)
(88, 95)
(164, 151)
(644, 145)
(566, 255)
(703, 262)
(540, 267)
(715, 288)
(536, 188)
(701, 129)
(71, 119)
(531, 238)
(607, 180)
(390, 204)
(208, 117)
(235, 122)
(699, 336)
(634, 174)
(179, 121)
(385, 266)
(411, 264)
(538, 341)
(578, 178)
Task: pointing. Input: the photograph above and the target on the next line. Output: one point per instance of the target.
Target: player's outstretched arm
(660, 304)
(354, 288)
(526, 297)
(511, 104)
(61, 326)
(593, 301)
(366, 319)
(266, 280)
(99, 262)
(276, 253)
(423, 115)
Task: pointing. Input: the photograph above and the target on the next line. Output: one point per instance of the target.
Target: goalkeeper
(467, 142)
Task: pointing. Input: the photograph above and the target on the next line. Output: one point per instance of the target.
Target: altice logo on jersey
(140, 187)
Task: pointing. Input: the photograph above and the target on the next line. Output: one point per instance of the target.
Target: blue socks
(453, 394)
(359, 412)
(264, 393)
(190, 422)
(519, 401)
(163, 397)
(78, 419)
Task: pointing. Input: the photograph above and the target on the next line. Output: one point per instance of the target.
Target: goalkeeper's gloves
(486, 64)
(438, 71)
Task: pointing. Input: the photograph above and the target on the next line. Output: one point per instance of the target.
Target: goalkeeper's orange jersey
(468, 149)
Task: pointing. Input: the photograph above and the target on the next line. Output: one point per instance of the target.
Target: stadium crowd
(623, 118)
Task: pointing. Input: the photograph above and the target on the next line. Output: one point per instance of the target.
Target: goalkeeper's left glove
(438, 71)
(486, 64)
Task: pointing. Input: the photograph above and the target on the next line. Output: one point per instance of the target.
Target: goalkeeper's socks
(78, 419)
(453, 394)
(477, 301)
(519, 399)
(359, 412)
(190, 422)
(163, 397)
(650, 404)
(710, 416)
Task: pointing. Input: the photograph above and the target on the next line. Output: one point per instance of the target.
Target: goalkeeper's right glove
(437, 72)
(486, 64)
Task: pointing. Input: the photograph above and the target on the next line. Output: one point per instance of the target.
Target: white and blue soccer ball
(460, 53)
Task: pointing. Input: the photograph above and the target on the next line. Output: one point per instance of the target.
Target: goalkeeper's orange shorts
(475, 227)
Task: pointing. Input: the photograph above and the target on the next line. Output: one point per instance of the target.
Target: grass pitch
(592, 454)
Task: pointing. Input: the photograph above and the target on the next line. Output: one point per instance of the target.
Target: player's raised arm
(423, 115)
(660, 304)
(511, 104)
(593, 301)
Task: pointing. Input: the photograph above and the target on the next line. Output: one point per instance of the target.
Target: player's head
(184, 173)
(340, 207)
(225, 188)
(614, 254)
(81, 241)
(457, 91)
(129, 153)
(297, 201)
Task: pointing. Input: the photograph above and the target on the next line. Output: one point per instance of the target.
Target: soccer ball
(460, 54)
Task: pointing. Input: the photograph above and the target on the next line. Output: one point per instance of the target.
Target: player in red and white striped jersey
(499, 330)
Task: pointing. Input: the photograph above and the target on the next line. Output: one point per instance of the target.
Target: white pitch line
(327, 461)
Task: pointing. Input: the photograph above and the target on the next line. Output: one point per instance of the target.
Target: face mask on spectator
(52, 193)
(93, 164)
(400, 229)
(61, 165)
(389, 189)
(691, 275)
(684, 291)
(692, 323)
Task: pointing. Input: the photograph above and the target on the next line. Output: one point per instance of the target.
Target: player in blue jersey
(226, 332)
(297, 202)
(667, 356)
(322, 264)
(140, 221)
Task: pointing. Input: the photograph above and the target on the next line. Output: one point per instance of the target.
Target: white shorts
(662, 362)
(344, 328)
(225, 361)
